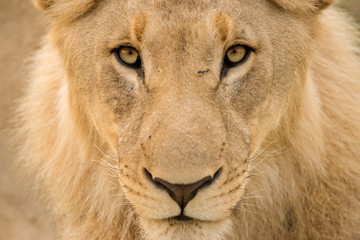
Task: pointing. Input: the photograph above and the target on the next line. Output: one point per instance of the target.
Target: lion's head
(184, 92)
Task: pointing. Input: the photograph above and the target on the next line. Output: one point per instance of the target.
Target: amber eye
(128, 56)
(236, 55)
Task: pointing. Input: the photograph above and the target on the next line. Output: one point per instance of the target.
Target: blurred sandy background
(21, 26)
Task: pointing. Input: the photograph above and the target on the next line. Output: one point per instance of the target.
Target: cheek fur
(119, 94)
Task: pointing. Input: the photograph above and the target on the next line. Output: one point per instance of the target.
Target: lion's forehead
(184, 18)
(181, 29)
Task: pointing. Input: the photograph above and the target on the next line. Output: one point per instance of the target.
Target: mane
(314, 154)
(67, 161)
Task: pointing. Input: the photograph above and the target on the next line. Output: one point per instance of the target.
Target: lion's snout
(180, 161)
(182, 194)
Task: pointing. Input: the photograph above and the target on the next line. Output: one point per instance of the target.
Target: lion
(196, 120)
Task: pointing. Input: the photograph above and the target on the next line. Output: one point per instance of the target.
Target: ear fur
(43, 4)
(68, 10)
(304, 6)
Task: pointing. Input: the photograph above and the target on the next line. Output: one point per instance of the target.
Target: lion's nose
(182, 193)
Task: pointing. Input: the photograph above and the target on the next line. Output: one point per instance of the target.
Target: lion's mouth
(183, 220)
(181, 217)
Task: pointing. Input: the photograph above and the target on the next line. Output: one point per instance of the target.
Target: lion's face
(184, 122)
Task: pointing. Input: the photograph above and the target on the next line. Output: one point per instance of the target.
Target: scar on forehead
(138, 26)
(222, 25)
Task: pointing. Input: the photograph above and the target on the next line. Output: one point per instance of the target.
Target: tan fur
(222, 25)
(139, 25)
(304, 6)
(287, 118)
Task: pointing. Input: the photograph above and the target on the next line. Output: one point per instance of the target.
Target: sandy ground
(21, 26)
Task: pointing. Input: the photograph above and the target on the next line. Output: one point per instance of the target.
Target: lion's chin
(189, 230)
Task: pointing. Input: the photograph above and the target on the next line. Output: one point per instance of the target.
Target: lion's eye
(128, 56)
(236, 55)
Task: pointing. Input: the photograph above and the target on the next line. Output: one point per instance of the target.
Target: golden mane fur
(306, 182)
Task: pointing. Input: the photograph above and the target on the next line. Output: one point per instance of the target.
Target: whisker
(252, 205)
(110, 158)
(251, 197)
(247, 210)
(262, 160)
(257, 191)
(257, 149)
(105, 163)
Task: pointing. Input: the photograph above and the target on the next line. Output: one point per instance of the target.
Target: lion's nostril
(182, 193)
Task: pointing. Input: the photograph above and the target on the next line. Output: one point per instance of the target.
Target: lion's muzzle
(182, 194)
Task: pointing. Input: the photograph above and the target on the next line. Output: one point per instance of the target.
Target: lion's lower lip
(184, 219)
(181, 217)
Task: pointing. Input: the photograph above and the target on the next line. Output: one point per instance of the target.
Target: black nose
(182, 193)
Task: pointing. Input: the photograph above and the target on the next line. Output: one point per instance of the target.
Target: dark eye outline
(135, 65)
(229, 64)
